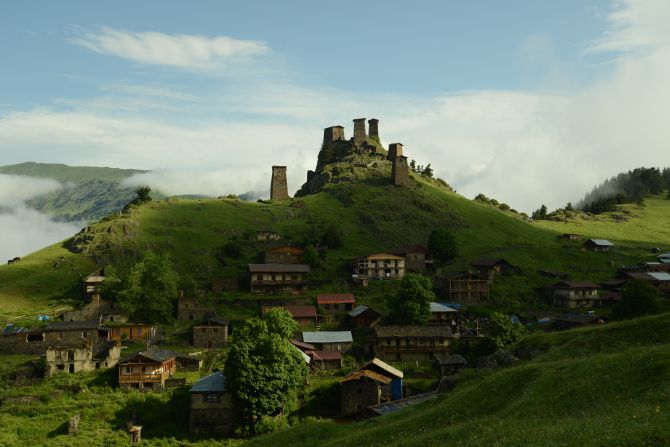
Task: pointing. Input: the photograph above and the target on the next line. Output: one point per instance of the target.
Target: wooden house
(332, 303)
(489, 268)
(212, 411)
(325, 360)
(362, 389)
(441, 314)
(598, 245)
(573, 294)
(285, 254)
(416, 257)
(380, 266)
(303, 315)
(450, 364)
(659, 280)
(407, 343)
(147, 369)
(278, 279)
(383, 368)
(364, 316)
(132, 332)
(212, 333)
(467, 288)
(329, 340)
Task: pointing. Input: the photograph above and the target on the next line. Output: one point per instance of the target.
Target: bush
(442, 245)
(638, 298)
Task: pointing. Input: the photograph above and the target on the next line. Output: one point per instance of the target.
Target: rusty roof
(366, 373)
(335, 298)
(295, 311)
(325, 355)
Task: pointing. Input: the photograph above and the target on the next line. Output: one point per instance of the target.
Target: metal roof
(358, 310)
(278, 268)
(382, 365)
(304, 356)
(327, 337)
(213, 383)
(601, 242)
(437, 307)
(413, 331)
(325, 355)
(295, 311)
(660, 276)
(335, 298)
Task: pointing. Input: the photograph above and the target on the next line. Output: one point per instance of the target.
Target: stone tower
(359, 131)
(400, 171)
(278, 186)
(373, 127)
(395, 150)
(332, 134)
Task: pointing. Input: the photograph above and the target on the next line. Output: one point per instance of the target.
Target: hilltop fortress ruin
(364, 146)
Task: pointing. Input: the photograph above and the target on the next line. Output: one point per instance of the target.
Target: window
(294, 277)
(358, 406)
(216, 329)
(211, 398)
(84, 334)
(128, 369)
(259, 277)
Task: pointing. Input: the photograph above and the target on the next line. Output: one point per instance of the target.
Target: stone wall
(211, 414)
(82, 358)
(357, 395)
(19, 344)
(400, 171)
(373, 128)
(72, 338)
(331, 134)
(395, 150)
(278, 185)
(360, 136)
(210, 337)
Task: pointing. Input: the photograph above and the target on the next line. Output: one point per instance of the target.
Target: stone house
(364, 316)
(489, 268)
(97, 309)
(325, 360)
(332, 303)
(285, 254)
(190, 309)
(467, 288)
(598, 245)
(441, 314)
(84, 357)
(132, 332)
(416, 257)
(573, 294)
(329, 340)
(362, 389)
(147, 369)
(450, 364)
(380, 266)
(303, 315)
(18, 340)
(383, 368)
(284, 279)
(211, 407)
(408, 343)
(212, 333)
(74, 333)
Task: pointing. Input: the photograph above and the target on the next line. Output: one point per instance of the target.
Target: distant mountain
(90, 193)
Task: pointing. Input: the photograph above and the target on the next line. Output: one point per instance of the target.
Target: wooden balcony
(143, 377)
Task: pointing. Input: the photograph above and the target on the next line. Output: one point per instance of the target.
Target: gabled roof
(96, 277)
(304, 356)
(361, 309)
(212, 319)
(62, 326)
(335, 298)
(325, 355)
(413, 331)
(439, 308)
(382, 256)
(303, 346)
(358, 375)
(213, 383)
(295, 311)
(660, 276)
(600, 242)
(327, 337)
(576, 285)
(278, 268)
(380, 365)
(154, 353)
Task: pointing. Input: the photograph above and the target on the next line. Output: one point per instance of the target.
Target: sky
(528, 102)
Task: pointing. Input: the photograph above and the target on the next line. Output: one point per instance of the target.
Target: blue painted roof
(214, 383)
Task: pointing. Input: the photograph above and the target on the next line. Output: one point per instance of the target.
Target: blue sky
(527, 101)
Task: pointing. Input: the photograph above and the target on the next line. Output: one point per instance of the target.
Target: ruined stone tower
(373, 128)
(400, 171)
(278, 186)
(359, 131)
(395, 150)
(332, 134)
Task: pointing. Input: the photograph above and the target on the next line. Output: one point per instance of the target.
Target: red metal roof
(335, 298)
(325, 355)
(303, 346)
(295, 311)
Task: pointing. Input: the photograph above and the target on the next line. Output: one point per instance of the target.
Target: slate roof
(213, 383)
(383, 256)
(413, 331)
(302, 345)
(366, 373)
(359, 310)
(211, 318)
(335, 298)
(60, 326)
(438, 307)
(278, 268)
(600, 242)
(154, 353)
(327, 337)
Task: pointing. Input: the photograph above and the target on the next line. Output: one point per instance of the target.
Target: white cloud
(190, 52)
(16, 189)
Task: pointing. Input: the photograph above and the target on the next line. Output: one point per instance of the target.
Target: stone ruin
(278, 185)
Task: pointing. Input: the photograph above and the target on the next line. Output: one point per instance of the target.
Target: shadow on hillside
(62, 429)
(160, 415)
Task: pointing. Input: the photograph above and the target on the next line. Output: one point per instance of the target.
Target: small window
(84, 334)
(211, 398)
(358, 406)
(190, 316)
(128, 369)
(216, 329)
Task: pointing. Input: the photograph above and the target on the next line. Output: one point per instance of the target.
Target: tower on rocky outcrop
(332, 134)
(278, 186)
(360, 136)
(395, 150)
(400, 171)
(373, 128)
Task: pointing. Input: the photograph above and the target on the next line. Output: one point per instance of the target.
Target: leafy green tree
(442, 245)
(428, 171)
(638, 298)
(262, 368)
(112, 284)
(150, 289)
(311, 256)
(540, 214)
(411, 305)
(503, 331)
(412, 165)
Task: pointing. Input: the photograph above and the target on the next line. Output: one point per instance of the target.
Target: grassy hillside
(374, 216)
(605, 386)
(89, 194)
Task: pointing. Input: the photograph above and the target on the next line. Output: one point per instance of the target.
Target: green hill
(90, 193)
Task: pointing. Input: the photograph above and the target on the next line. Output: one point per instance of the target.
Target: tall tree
(442, 245)
(638, 298)
(411, 305)
(263, 368)
(503, 330)
(149, 290)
